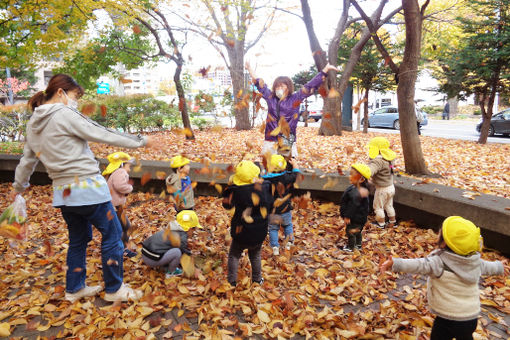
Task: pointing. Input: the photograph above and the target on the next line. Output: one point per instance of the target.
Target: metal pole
(9, 86)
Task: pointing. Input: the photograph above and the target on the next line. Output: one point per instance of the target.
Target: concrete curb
(427, 204)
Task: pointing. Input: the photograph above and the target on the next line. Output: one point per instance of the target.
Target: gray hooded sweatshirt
(57, 136)
(452, 285)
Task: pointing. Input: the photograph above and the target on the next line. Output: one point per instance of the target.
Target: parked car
(500, 123)
(388, 117)
(314, 111)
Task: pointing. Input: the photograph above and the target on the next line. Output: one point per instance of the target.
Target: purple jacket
(289, 107)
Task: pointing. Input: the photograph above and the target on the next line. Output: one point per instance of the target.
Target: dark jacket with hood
(282, 185)
(250, 222)
(354, 206)
(155, 246)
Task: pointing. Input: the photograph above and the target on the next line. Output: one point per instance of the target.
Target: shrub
(432, 109)
(13, 121)
(136, 113)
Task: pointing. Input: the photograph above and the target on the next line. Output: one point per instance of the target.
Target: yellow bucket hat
(363, 169)
(380, 145)
(278, 163)
(178, 161)
(116, 159)
(246, 172)
(188, 219)
(461, 235)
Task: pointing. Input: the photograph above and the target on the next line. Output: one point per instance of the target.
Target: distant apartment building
(142, 81)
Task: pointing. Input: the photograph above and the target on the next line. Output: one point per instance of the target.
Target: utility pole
(9, 85)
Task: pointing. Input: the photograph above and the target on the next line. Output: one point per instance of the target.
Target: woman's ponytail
(37, 99)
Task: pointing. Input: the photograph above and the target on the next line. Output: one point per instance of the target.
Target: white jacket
(452, 285)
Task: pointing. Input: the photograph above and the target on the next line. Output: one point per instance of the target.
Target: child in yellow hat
(252, 201)
(117, 173)
(354, 205)
(163, 251)
(381, 167)
(454, 271)
(282, 181)
(179, 184)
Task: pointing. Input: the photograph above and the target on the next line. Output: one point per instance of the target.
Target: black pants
(419, 128)
(353, 235)
(125, 224)
(234, 255)
(444, 329)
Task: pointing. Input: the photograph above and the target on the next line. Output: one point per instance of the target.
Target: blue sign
(103, 88)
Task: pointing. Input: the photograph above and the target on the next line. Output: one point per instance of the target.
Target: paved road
(453, 129)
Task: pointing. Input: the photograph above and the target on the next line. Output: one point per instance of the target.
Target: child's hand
(385, 265)
(347, 220)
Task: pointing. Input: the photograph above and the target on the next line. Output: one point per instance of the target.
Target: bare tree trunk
(241, 108)
(487, 113)
(365, 112)
(182, 102)
(408, 72)
(331, 123)
(454, 106)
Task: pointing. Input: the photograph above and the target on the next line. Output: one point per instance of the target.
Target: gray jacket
(57, 136)
(452, 285)
(382, 175)
(158, 244)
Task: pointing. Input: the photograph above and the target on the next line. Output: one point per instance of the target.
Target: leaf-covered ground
(313, 291)
(463, 164)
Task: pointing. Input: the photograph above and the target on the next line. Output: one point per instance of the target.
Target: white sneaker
(124, 293)
(276, 251)
(289, 245)
(84, 292)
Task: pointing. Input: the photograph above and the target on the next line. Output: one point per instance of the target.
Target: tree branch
(373, 30)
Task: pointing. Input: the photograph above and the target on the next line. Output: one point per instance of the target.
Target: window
(47, 77)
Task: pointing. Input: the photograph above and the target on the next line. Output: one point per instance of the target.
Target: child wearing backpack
(381, 168)
(252, 199)
(453, 270)
(179, 184)
(282, 181)
(354, 205)
(118, 182)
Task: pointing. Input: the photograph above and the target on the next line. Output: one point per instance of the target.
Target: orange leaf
(109, 215)
(160, 174)
(145, 178)
(88, 109)
(67, 192)
(103, 110)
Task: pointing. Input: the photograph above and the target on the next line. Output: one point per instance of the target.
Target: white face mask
(73, 104)
(280, 93)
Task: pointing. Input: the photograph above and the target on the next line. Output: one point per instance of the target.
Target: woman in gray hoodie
(57, 135)
(454, 270)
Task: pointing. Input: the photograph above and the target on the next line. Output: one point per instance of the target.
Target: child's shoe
(347, 249)
(358, 246)
(124, 293)
(289, 245)
(378, 225)
(84, 292)
(260, 282)
(129, 253)
(233, 283)
(176, 272)
(276, 251)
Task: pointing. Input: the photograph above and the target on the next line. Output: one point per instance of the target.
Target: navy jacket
(354, 206)
(251, 230)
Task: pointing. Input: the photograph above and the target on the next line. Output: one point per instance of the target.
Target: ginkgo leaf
(188, 265)
(247, 215)
(255, 199)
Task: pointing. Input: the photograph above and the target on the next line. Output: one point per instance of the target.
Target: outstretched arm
(250, 70)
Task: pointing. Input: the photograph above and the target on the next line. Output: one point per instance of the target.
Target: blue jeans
(287, 229)
(79, 221)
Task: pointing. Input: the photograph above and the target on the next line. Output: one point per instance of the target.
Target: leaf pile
(314, 290)
(462, 164)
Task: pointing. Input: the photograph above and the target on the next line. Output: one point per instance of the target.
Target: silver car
(388, 117)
